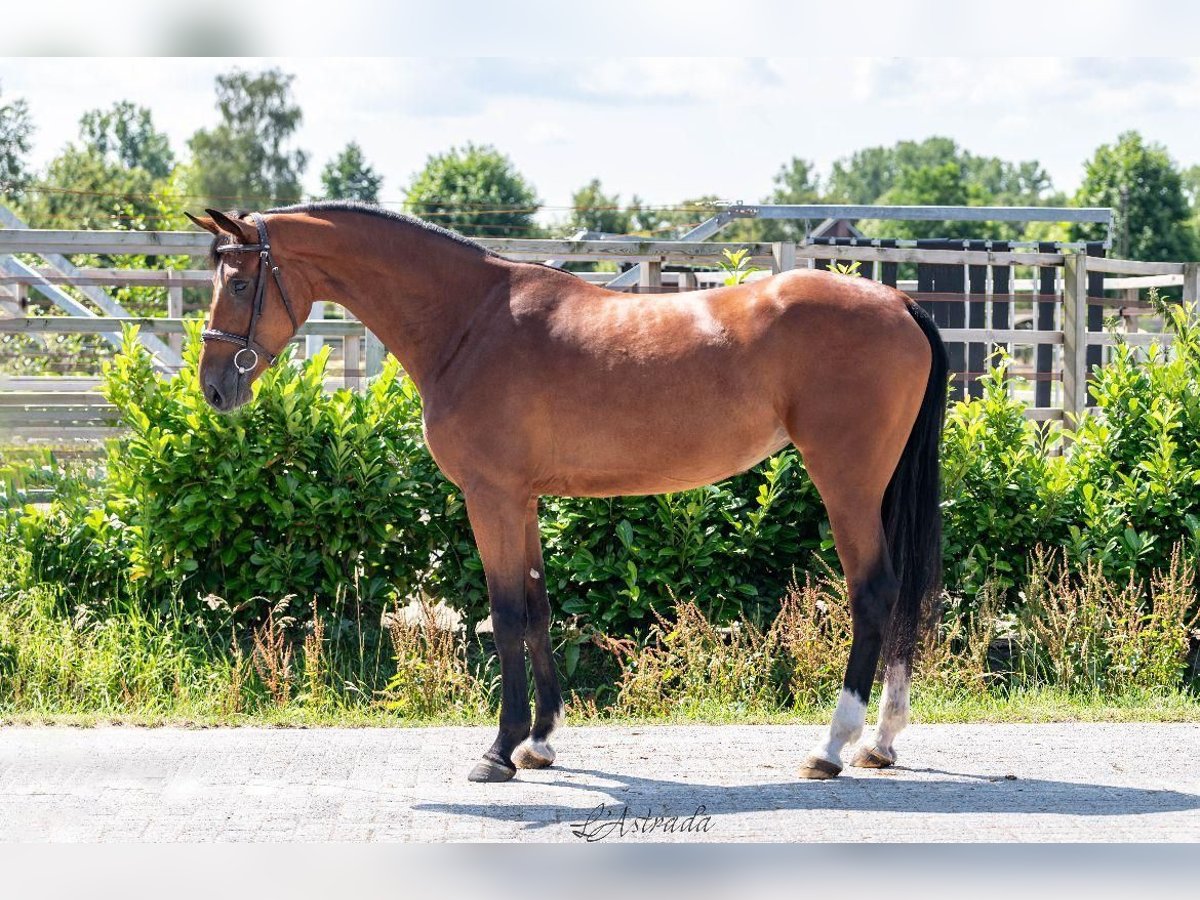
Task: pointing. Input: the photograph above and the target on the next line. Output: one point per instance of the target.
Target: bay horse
(535, 382)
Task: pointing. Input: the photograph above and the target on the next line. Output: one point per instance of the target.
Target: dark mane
(369, 209)
(355, 206)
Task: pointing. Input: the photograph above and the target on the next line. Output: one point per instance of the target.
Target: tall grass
(1077, 640)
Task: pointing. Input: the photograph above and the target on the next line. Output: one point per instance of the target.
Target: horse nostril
(214, 396)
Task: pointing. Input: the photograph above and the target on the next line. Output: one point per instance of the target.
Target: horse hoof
(531, 754)
(490, 771)
(816, 768)
(871, 757)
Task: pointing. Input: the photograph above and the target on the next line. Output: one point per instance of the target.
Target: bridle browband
(246, 341)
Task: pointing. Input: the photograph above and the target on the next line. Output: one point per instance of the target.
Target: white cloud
(665, 129)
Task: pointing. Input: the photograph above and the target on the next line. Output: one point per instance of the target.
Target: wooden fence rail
(1053, 314)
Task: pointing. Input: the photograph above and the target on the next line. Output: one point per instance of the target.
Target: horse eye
(239, 285)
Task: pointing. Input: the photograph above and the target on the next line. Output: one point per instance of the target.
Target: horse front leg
(536, 752)
(498, 521)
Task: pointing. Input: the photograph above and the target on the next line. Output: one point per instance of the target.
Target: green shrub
(731, 548)
(307, 493)
(302, 492)
(1136, 464)
(1003, 492)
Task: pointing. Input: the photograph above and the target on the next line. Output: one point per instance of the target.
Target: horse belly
(670, 447)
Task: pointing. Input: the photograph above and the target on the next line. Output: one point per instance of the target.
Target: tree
(796, 182)
(594, 210)
(1191, 187)
(870, 173)
(474, 190)
(16, 128)
(939, 171)
(932, 185)
(348, 177)
(125, 136)
(1146, 191)
(114, 177)
(245, 160)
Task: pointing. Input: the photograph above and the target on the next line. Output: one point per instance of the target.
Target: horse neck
(415, 290)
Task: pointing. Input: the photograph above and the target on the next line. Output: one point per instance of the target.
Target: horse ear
(204, 222)
(240, 231)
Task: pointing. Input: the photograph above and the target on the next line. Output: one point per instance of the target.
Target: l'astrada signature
(605, 822)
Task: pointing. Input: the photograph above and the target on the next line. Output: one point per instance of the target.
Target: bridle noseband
(246, 341)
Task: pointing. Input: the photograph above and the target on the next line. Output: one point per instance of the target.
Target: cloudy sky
(665, 129)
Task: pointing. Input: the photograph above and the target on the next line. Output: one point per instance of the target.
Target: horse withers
(535, 383)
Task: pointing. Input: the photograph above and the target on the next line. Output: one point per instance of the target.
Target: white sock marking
(847, 725)
(893, 709)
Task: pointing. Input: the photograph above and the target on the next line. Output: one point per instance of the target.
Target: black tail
(912, 513)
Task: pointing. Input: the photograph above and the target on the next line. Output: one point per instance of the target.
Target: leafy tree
(113, 177)
(474, 190)
(870, 173)
(348, 177)
(125, 136)
(16, 128)
(596, 211)
(796, 182)
(1191, 188)
(246, 160)
(930, 185)
(937, 171)
(1146, 191)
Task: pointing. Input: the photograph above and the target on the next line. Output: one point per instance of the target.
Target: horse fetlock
(533, 754)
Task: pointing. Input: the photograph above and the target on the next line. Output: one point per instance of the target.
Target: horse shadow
(946, 792)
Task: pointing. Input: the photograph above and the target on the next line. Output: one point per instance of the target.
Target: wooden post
(687, 280)
(174, 309)
(1131, 296)
(1191, 282)
(784, 253)
(375, 354)
(1043, 312)
(351, 358)
(1074, 318)
(650, 277)
(313, 342)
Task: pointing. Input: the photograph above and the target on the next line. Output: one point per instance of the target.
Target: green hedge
(323, 496)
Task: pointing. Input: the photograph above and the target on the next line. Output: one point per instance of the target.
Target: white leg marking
(845, 728)
(535, 574)
(893, 709)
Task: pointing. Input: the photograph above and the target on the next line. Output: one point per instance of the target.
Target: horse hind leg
(893, 717)
(873, 589)
(850, 468)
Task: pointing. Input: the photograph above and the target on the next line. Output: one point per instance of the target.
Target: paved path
(954, 782)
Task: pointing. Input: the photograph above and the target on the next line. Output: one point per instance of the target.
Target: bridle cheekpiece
(246, 341)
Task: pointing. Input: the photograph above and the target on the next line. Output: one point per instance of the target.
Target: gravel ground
(1062, 782)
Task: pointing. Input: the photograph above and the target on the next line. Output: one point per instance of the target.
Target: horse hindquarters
(913, 519)
(874, 459)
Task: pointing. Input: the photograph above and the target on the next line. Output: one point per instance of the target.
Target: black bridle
(246, 341)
